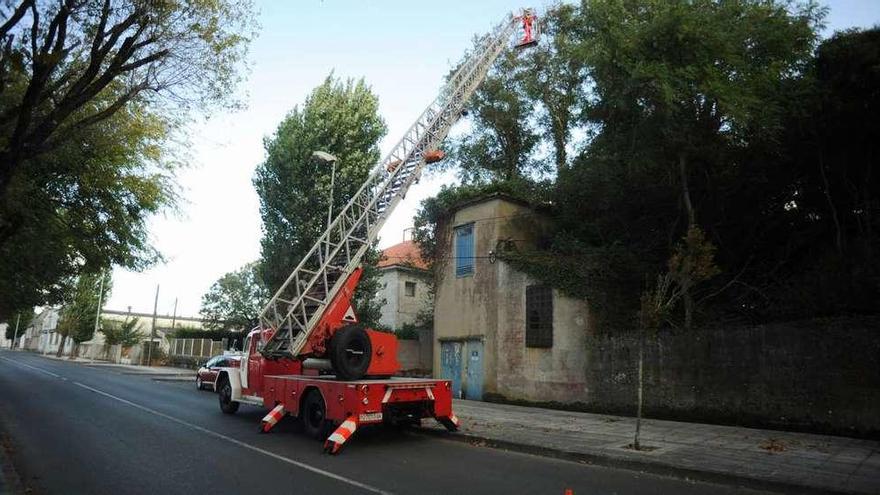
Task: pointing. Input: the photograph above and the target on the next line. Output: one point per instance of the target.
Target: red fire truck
(309, 328)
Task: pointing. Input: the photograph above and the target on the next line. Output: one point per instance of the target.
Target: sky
(403, 49)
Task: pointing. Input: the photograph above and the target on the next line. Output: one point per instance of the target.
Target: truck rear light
(447, 385)
(341, 398)
(365, 388)
(366, 401)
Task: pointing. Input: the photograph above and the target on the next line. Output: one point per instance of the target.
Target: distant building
(405, 285)
(497, 330)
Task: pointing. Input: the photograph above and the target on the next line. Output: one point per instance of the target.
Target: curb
(634, 465)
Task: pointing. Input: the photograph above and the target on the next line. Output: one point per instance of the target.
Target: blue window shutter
(464, 250)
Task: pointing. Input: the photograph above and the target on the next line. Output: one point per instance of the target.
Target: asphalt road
(75, 429)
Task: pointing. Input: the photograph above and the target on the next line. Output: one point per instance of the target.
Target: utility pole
(153, 330)
(174, 315)
(15, 335)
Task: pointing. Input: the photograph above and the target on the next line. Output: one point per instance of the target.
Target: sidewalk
(796, 462)
(158, 373)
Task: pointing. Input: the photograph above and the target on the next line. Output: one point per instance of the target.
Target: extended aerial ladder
(298, 314)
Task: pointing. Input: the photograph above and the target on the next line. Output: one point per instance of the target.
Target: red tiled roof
(406, 253)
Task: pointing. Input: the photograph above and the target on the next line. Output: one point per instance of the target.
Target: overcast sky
(402, 48)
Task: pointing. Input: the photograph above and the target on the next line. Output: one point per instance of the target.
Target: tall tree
(554, 78)
(89, 91)
(500, 145)
(59, 56)
(338, 117)
(80, 310)
(235, 300)
(84, 206)
(21, 320)
(524, 113)
(679, 89)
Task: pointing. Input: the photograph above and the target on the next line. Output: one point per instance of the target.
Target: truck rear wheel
(314, 416)
(227, 405)
(350, 352)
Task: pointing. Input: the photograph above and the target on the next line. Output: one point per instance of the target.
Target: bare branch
(16, 16)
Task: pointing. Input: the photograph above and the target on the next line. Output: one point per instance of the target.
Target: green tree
(123, 333)
(89, 92)
(500, 145)
(235, 300)
(85, 205)
(22, 320)
(338, 117)
(666, 117)
(81, 308)
(681, 87)
(527, 107)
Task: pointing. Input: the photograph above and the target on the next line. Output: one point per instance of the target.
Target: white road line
(41, 370)
(237, 442)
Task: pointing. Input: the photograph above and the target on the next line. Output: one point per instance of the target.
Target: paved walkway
(763, 458)
(131, 369)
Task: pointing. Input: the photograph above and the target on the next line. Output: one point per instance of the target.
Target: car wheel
(350, 352)
(227, 405)
(314, 416)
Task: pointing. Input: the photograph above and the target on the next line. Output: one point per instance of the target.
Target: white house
(405, 280)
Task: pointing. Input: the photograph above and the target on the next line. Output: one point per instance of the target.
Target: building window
(464, 250)
(409, 289)
(539, 316)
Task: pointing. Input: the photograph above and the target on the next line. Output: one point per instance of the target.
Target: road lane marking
(214, 434)
(41, 370)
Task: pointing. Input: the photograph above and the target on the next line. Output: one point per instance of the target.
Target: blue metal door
(450, 365)
(474, 385)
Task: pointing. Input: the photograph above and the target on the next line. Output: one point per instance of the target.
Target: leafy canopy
(81, 308)
(338, 117)
(235, 300)
(91, 94)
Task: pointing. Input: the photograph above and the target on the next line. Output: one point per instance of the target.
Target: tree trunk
(641, 387)
(61, 345)
(838, 237)
(692, 221)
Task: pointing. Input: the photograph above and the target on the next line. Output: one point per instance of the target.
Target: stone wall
(817, 375)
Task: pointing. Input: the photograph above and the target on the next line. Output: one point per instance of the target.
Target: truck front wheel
(227, 405)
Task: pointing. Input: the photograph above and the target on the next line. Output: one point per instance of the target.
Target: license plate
(370, 417)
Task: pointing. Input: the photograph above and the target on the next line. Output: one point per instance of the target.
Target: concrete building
(405, 285)
(497, 330)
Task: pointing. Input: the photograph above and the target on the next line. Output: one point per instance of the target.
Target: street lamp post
(328, 158)
(98, 312)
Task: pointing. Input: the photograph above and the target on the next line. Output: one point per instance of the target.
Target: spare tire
(350, 352)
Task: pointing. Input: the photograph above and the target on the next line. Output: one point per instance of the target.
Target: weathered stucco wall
(817, 375)
(490, 306)
(465, 307)
(557, 373)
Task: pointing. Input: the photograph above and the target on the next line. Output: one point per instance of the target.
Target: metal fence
(197, 347)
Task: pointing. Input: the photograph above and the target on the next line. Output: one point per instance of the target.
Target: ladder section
(298, 305)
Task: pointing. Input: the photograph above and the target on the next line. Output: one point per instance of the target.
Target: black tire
(227, 405)
(314, 416)
(350, 352)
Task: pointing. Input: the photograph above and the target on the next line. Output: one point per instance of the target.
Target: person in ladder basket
(528, 20)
